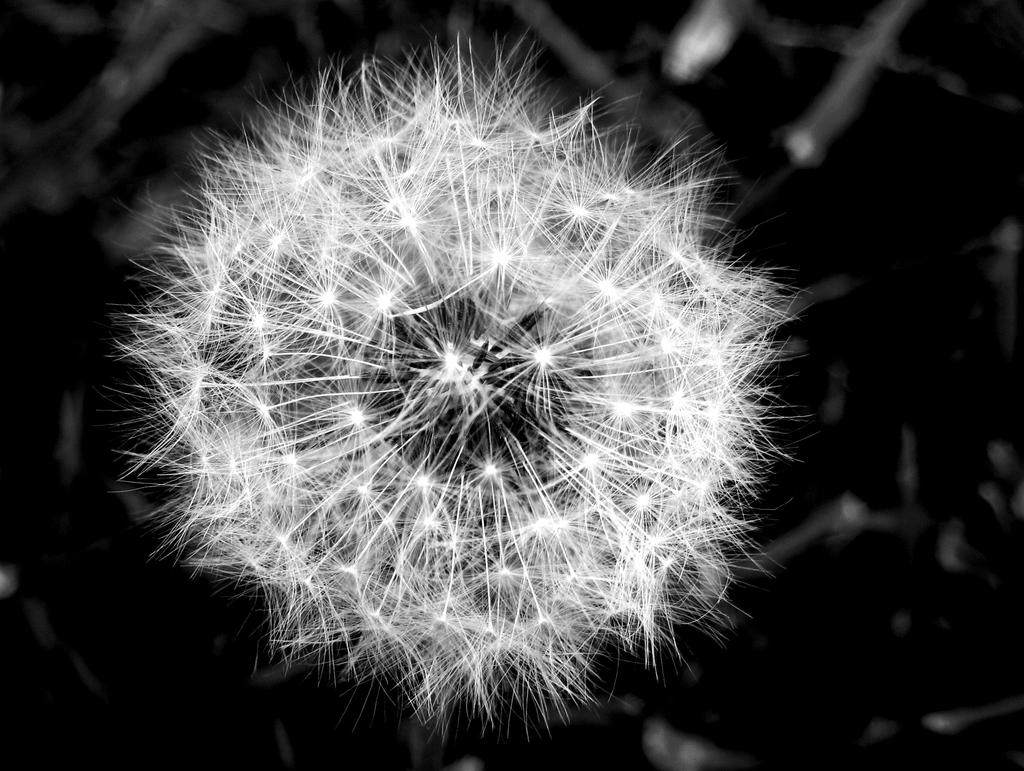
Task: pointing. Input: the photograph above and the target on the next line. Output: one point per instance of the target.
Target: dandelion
(456, 384)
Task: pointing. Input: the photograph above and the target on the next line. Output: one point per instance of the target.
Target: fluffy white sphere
(460, 387)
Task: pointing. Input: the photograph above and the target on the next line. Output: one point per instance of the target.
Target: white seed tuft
(431, 379)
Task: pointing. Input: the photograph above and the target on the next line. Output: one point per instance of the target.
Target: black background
(882, 625)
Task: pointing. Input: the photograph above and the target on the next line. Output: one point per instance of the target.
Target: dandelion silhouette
(459, 387)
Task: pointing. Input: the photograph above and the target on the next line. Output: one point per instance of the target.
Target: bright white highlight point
(490, 470)
(679, 403)
(424, 481)
(548, 525)
(452, 363)
(384, 302)
(357, 416)
(543, 357)
(277, 240)
(533, 135)
(624, 409)
(406, 216)
(608, 289)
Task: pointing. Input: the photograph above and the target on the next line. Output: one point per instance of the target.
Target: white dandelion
(461, 389)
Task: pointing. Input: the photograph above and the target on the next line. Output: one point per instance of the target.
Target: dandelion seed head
(430, 379)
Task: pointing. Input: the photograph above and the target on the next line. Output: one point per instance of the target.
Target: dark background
(876, 156)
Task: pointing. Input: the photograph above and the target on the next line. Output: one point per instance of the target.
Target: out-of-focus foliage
(876, 166)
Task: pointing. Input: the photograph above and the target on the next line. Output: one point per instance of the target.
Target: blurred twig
(666, 117)
(425, 743)
(670, 749)
(40, 624)
(955, 721)
(841, 40)
(703, 37)
(829, 289)
(63, 19)
(845, 516)
(155, 36)
(809, 138)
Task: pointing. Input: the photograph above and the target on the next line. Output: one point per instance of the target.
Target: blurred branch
(841, 102)
(425, 743)
(40, 624)
(586, 66)
(9, 580)
(666, 117)
(279, 673)
(834, 524)
(844, 515)
(789, 34)
(703, 37)
(669, 749)
(155, 37)
(1004, 21)
(63, 19)
(467, 763)
(307, 30)
(829, 289)
(284, 745)
(955, 721)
